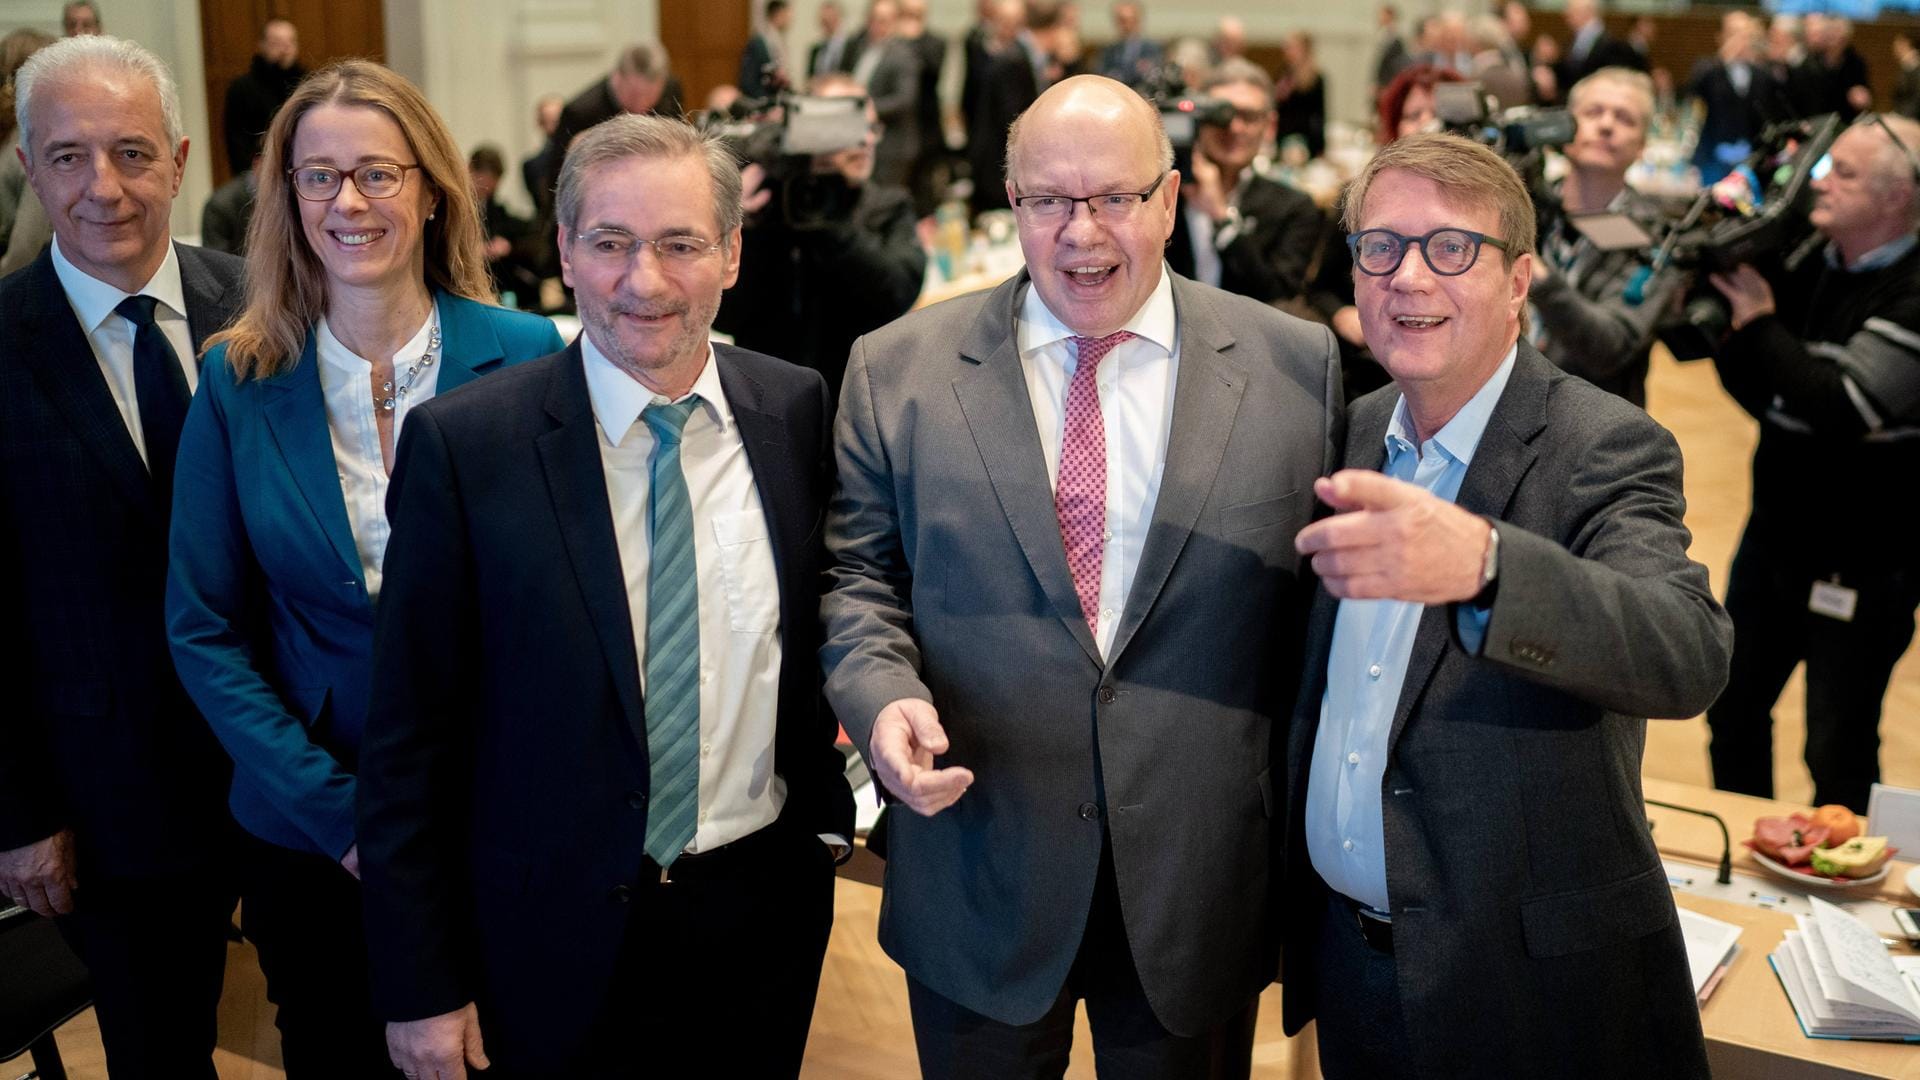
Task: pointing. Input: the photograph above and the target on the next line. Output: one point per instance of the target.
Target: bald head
(1089, 110)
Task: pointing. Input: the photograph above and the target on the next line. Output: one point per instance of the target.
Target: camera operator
(1238, 230)
(808, 288)
(1597, 310)
(1827, 357)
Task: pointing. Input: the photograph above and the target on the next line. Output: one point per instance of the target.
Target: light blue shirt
(1367, 665)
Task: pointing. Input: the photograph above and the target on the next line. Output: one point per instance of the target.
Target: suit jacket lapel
(993, 397)
(1206, 399)
(1499, 463)
(57, 347)
(211, 305)
(577, 482)
(295, 407)
(469, 348)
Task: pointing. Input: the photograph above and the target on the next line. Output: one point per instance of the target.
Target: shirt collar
(1461, 435)
(1039, 327)
(93, 300)
(1879, 258)
(618, 398)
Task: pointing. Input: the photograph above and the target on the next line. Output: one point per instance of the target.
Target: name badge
(1833, 600)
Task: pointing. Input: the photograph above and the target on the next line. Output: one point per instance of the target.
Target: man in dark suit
(763, 63)
(888, 66)
(1470, 883)
(1591, 47)
(1736, 93)
(256, 94)
(1074, 586)
(928, 180)
(1132, 58)
(1015, 76)
(1236, 229)
(641, 83)
(112, 789)
(833, 52)
(599, 794)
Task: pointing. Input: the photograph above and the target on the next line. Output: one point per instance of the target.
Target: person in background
(763, 62)
(1301, 95)
(1596, 312)
(996, 22)
(512, 248)
(1229, 39)
(888, 67)
(596, 656)
(931, 167)
(1591, 47)
(1132, 57)
(1826, 356)
(112, 790)
(256, 95)
(1785, 62)
(546, 119)
(1014, 81)
(1498, 64)
(1733, 93)
(223, 221)
(1836, 73)
(79, 18)
(1506, 541)
(1235, 229)
(641, 83)
(809, 287)
(1391, 55)
(14, 50)
(367, 296)
(834, 51)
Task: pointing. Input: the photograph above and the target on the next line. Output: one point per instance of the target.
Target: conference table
(1750, 1027)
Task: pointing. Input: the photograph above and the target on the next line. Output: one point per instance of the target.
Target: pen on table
(1680, 882)
(1766, 899)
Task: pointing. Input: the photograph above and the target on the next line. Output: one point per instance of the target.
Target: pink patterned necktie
(1080, 496)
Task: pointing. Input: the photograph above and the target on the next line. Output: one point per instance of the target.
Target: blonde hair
(285, 280)
(1471, 174)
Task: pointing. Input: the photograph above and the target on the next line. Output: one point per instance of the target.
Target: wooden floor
(861, 1030)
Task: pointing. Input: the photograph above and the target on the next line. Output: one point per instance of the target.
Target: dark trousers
(1356, 1002)
(156, 951)
(956, 1043)
(1848, 667)
(302, 913)
(738, 934)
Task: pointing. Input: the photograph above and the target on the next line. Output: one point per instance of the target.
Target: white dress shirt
(111, 334)
(346, 382)
(1206, 242)
(739, 587)
(1136, 407)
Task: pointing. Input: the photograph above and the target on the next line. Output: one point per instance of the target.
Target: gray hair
(1896, 171)
(647, 59)
(1164, 145)
(69, 56)
(1638, 82)
(1238, 69)
(649, 138)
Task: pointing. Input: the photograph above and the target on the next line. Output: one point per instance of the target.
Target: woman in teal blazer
(365, 273)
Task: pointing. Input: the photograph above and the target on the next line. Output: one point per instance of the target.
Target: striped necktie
(673, 643)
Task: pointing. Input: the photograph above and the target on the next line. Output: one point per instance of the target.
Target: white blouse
(346, 382)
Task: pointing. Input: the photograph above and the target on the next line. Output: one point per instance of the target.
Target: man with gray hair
(600, 801)
(112, 789)
(641, 83)
(1826, 355)
(1061, 611)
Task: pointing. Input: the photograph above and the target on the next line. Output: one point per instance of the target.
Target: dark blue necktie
(160, 387)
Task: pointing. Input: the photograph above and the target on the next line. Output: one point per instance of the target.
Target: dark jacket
(1280, 232)
(1009, 86)
(223, 223)
(252, 99)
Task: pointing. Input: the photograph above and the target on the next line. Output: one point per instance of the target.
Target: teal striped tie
(673, 643)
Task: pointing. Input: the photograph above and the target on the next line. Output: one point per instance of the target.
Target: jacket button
(1107, 695)
(1088, 811)
(637, 799)
(620, 894)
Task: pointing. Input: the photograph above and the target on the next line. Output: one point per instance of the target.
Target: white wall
(171, 29)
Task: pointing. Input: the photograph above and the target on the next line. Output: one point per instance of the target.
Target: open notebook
(1842, 981)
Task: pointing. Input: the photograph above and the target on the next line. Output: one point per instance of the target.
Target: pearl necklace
(395, 396)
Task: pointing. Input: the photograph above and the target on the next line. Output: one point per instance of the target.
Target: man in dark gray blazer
(1060, 616)
(889, 68)
(1471, 887)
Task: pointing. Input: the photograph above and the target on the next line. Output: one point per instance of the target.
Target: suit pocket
(1598, 917)
(745, 547)
(1247, 517)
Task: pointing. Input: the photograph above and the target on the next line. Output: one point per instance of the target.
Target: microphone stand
(1725, 876)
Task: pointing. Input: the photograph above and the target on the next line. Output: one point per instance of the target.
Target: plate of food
(1822, 850)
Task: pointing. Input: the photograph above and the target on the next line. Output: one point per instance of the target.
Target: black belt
(720, 861)
(1375, 929)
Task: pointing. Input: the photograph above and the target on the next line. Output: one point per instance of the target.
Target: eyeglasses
(375, 180)
(615, 247)
(1112, 206)
(1252, 116)
(1449, 252)
(1879, 121)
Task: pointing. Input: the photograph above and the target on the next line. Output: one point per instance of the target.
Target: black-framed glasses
(1449, 252)
(1111, 206)
(375, 180)
(617, 246)
(1879, 121)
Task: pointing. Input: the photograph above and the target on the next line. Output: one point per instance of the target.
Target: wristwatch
(1489, 569)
